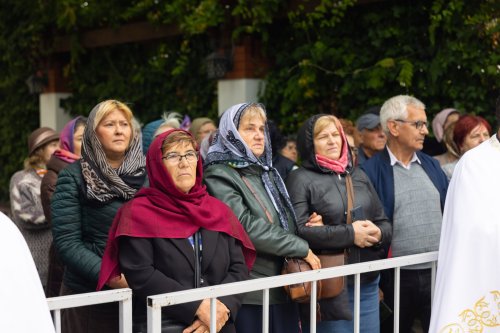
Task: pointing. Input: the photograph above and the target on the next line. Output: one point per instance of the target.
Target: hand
(313, 260)
(380, 295)
(118, 282)
(197, 327)
(366, 233)
(314, 220)
(221, 315)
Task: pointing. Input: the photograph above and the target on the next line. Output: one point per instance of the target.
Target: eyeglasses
(418, 124)
(174, 158)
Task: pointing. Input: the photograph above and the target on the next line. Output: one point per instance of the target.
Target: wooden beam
(128, 33)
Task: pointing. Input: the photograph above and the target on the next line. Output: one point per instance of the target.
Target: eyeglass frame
(180, 156)
(418, 123)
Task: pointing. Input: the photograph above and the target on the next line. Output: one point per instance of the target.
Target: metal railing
(124, 296)
(156, 302)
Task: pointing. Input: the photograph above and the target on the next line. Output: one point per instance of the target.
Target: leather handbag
(334, 286)
(171, 325)
(299, 292)
(331, 287)
(327, 288)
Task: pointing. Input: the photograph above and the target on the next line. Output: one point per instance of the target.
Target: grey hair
(396, 108)
(170, 119)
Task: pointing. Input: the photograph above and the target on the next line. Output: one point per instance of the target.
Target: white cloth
(23, 307)
(467, 294)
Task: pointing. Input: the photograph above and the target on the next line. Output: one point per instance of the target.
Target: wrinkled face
(328, 142)
(373, 139)
(204, 130)
(114, 133)
(251, 130)
(406, 132)
(48, 149)
(290, 151)
(77, 140)
(477, 136)
(181, 161)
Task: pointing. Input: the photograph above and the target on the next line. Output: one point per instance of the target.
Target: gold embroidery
(486, 313)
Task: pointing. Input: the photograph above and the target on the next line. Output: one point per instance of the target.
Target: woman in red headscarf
(154, 237)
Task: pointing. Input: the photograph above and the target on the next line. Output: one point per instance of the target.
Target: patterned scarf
(229, 148)
(103, 183)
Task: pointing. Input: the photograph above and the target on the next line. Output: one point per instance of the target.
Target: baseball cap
(368, 121)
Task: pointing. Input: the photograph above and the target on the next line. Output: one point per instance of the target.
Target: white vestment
(467, 294)
(23, 307)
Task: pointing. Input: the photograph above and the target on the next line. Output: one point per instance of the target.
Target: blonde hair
(109, 106)
(254, 110)
(323, 123)
(35, 160)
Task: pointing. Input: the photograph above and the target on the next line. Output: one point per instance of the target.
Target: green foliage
(327, 56)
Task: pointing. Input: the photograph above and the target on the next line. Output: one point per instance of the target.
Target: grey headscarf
(229, 148)
(102, 182)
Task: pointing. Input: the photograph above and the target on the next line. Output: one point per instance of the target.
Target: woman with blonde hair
(328, 184)
(88, 195)
(25, 200)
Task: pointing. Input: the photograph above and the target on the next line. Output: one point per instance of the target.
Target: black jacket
(158, 265)
(316, 189)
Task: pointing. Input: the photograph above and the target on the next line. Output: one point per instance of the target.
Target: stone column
(244, 82)
(51, 113)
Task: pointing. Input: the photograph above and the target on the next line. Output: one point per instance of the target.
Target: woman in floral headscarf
(240, 173)
(88, 194)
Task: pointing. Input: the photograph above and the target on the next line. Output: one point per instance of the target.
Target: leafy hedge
(328, 56)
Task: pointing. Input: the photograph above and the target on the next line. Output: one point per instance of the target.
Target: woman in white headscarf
(240, 173)
(441, 122)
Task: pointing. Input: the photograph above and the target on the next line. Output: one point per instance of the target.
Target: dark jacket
(381, 174)
(49, 181)
(313, 188)
(159, 265)
(283, 165)
(80, 229)
(271, 241)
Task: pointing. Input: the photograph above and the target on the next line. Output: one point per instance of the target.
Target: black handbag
(171, 325)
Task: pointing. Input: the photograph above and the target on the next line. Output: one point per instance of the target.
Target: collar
(394, 159)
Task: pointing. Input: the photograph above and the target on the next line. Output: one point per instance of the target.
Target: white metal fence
(156, 302)
(124, 296)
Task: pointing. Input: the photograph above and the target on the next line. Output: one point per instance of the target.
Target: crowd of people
(179, 204)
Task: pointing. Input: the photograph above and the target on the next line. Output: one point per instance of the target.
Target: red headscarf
(162, 211)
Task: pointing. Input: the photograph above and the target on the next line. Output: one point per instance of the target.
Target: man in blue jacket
(412, 188)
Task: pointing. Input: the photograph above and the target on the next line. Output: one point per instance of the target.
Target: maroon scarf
(162, 211)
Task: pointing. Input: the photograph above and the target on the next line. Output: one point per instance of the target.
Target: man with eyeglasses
(412, 188)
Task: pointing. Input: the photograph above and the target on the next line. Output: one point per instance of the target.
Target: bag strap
(261, 204)
(197, 259)
(350, 197)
